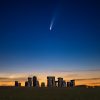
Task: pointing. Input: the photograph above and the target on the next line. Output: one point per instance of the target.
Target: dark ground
(23, 93)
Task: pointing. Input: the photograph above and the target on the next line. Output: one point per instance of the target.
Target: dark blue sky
(26, 43)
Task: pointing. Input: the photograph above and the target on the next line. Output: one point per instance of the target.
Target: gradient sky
(28, 47)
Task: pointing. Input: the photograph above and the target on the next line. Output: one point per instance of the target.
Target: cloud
(79, 70)
(97, 83)
(87, 79)
(7, 79)
(71, 75)
(3, 78)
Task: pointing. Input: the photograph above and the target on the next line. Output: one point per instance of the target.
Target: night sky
(71, 48)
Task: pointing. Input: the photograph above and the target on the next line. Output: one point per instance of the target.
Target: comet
(52, 23)
(51, 26)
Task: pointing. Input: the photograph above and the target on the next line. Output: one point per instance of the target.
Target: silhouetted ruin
(51, 82)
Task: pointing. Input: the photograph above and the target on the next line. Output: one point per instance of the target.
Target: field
(25, 93)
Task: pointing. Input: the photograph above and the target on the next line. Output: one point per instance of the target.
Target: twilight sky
(28, 46)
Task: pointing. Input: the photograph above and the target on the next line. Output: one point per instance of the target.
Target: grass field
(23, 93)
